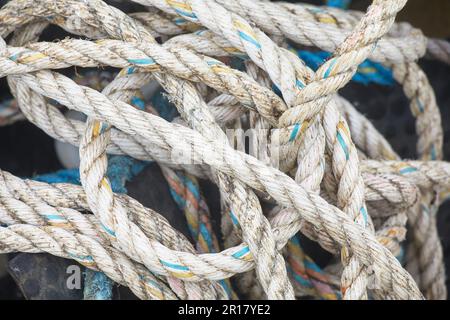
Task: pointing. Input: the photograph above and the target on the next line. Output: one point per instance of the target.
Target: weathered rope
(368, 71)
(319, 174)
(227, 160)
(96, 285)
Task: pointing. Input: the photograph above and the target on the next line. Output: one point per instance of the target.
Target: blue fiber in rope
(368, 71)
(343, 4)
(97, 286)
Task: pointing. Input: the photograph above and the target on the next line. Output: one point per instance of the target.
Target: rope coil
(321, 167)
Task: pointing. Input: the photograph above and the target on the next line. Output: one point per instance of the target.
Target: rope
(368, 72)
(96, 285)
(320, 167)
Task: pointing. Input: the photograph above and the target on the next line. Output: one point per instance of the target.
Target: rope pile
(321, 168)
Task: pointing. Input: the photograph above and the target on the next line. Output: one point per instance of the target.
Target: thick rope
(325, 168)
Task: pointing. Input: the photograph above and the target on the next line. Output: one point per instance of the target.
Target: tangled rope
(320, 167)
